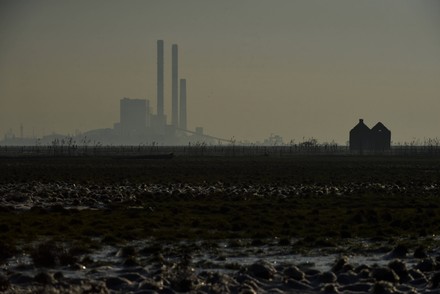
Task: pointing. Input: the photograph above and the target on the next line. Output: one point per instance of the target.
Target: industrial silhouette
(133, 116)
(137, 122)
(362, 138)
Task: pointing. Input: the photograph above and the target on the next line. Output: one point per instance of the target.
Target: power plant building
(137, 122)
(136, 119)
(182, 114)
(133, 116)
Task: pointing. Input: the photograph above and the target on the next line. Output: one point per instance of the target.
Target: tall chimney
(160, 107)
(182, 114)
(174, 89)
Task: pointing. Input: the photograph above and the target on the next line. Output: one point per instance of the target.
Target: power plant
(133, 116)
(138, 123)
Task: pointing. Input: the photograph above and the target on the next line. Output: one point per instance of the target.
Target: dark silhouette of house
(380, 137)
(362, 138)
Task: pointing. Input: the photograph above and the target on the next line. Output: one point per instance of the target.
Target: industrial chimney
(174, 85)
(160, 88)
(182, 114)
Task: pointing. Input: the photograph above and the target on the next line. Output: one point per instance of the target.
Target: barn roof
(360, 126)
(379, 127)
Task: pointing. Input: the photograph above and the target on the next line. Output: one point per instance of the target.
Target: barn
(362, 138)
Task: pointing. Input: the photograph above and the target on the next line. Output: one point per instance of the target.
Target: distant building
(362, 138)
(380, 137)
(133, 116)
(199, 131)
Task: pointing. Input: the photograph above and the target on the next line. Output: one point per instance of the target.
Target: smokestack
(182, 114)
(174, 84)
(160, 107)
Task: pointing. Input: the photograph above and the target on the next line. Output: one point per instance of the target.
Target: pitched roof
(379, 127)
(360, 126)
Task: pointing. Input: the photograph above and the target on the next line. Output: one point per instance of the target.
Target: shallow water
(215, 257)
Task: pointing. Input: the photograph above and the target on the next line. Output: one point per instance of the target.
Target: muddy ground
(302, 203)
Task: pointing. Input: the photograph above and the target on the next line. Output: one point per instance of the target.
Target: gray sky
(253, 67)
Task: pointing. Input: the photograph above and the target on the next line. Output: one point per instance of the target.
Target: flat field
(319, 199)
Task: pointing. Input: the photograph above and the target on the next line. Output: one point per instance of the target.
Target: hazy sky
(294, 68)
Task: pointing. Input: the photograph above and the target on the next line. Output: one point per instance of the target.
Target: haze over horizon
(294, 68)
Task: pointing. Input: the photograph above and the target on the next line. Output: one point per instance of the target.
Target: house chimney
(174, 85)
(361, 120)
(160, 106)
(182, 98)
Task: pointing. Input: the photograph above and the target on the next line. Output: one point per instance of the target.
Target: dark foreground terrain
(220, 224)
